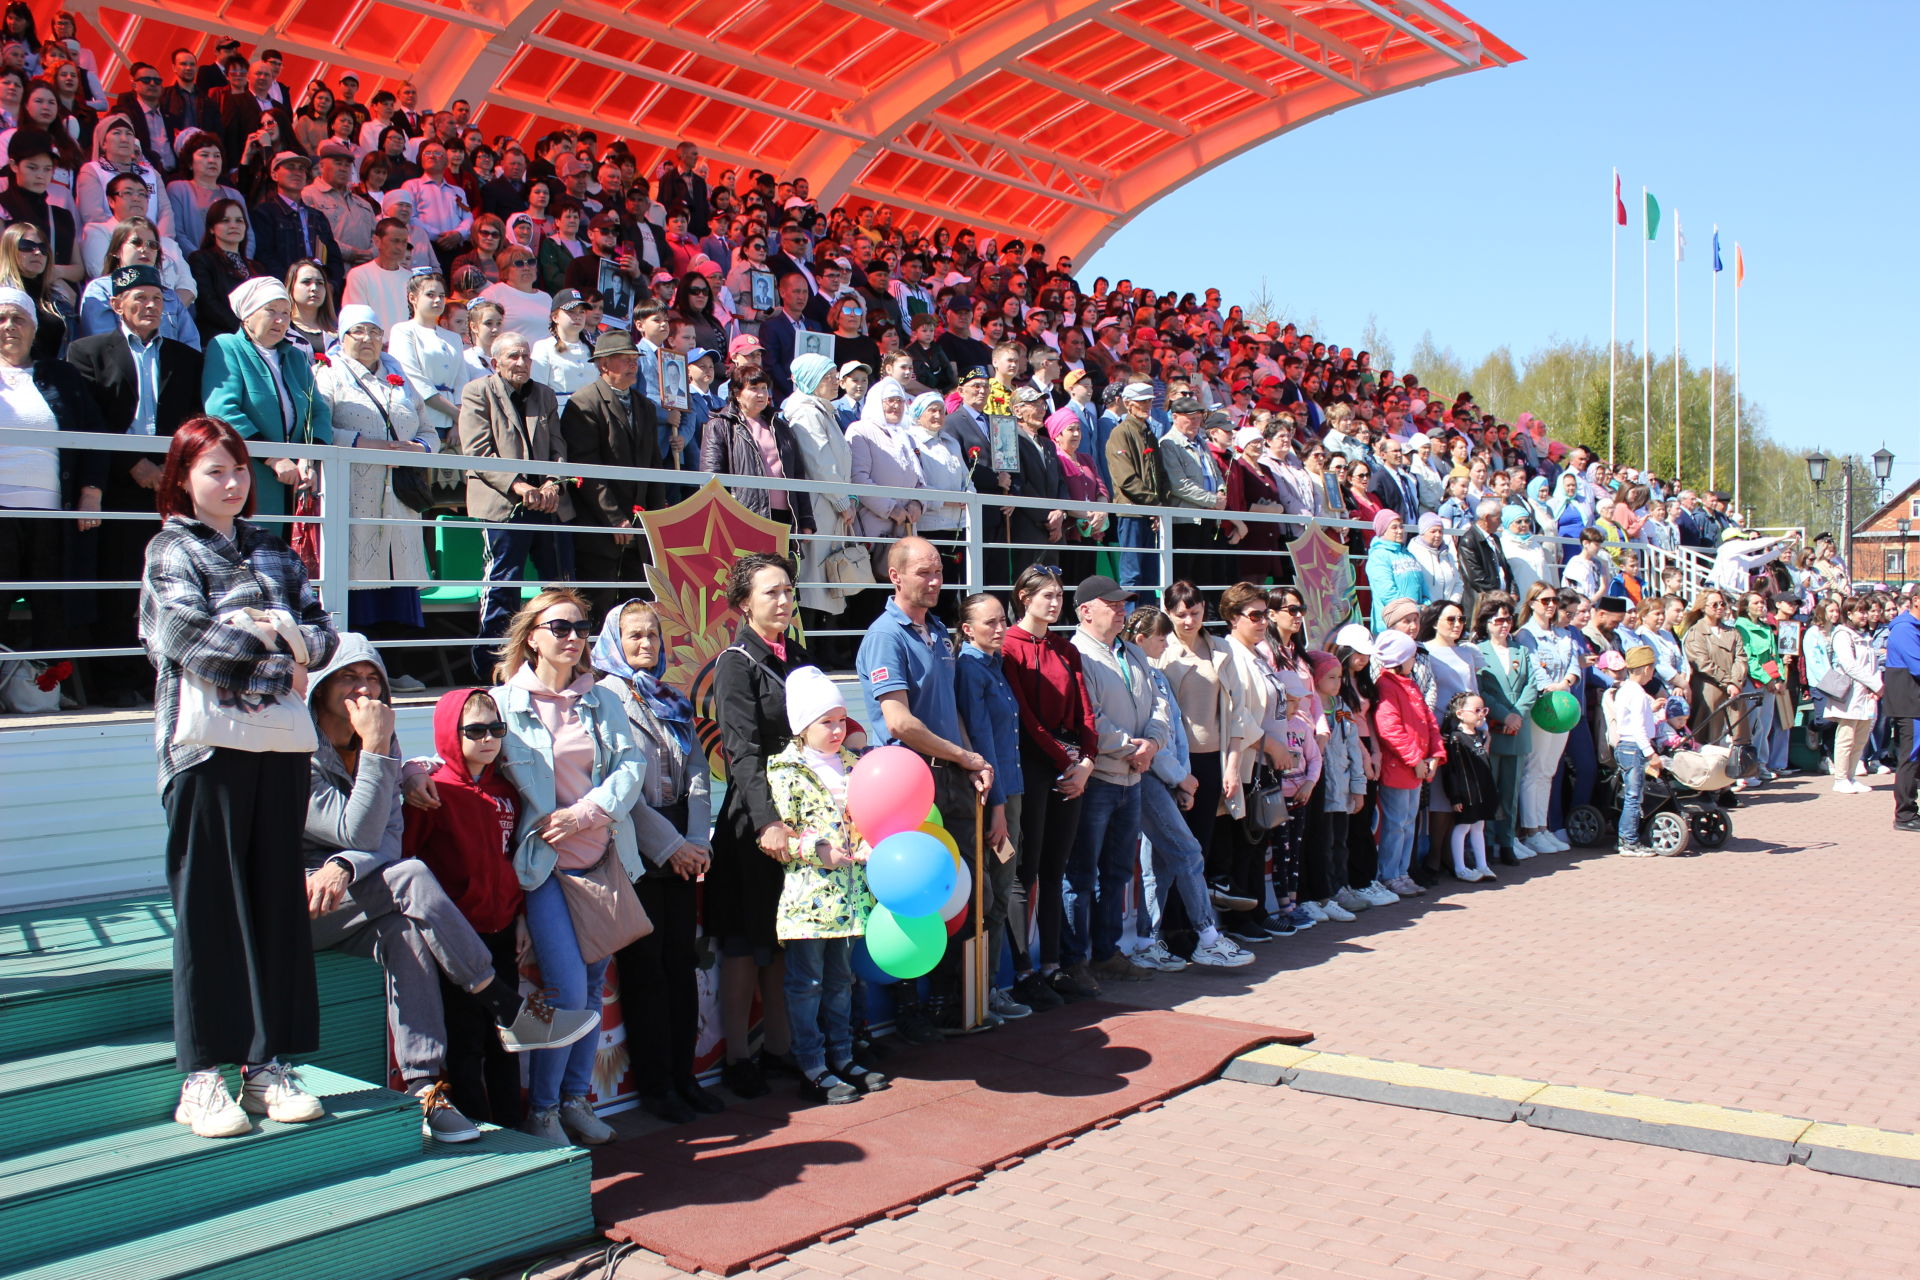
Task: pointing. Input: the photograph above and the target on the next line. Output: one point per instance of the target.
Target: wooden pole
(979, 909)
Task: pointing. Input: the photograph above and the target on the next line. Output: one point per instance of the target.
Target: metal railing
(980, 555)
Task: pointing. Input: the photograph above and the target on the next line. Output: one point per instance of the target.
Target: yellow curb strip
(1693, 1115)
(1861, 1140)
(1279, 1055)
(1414, 1076)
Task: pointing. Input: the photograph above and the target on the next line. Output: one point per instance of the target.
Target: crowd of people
(431, 289)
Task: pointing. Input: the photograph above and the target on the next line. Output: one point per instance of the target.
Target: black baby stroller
(1686, 804)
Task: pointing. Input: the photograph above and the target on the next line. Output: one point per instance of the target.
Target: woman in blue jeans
(570, 753)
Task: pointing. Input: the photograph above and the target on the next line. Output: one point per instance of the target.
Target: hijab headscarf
(911, 418)
(256, 293)
(897, 434)
(668, 704)
(1561, 499)
(1082, 479)
(808, 369)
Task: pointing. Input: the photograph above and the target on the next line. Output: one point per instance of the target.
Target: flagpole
(1646, 355)
(1736, 375)
(1713, 371)
(1613, 317)
(1678, 242)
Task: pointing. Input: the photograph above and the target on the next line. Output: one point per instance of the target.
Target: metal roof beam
(603, 125)
(1100, 98)
(930, 32)
(1190, 54)
(658, 32)
(1265, 41)
(918, 206)
(701, 88)
(215, 25)
(1020, 147)
(1311, 32)
(900, 146)
(1425, 37)
(458, 17)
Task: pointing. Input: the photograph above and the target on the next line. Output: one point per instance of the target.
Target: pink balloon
(890, 791)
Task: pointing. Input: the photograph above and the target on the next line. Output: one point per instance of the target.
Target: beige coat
(490, 427)
(379, 552)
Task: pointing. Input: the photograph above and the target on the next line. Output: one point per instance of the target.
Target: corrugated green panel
(433, 1218)
(51, 1199)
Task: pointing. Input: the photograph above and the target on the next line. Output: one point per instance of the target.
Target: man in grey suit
(509, 415)
(1193, 480)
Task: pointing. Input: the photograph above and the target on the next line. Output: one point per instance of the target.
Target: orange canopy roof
(1056, 119)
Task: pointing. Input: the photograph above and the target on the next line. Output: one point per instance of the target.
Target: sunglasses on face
(561, 628)
(146, 79)
(32, 246)
(480, 732)
(521, 262)
(1258, 615)
(1294, 609)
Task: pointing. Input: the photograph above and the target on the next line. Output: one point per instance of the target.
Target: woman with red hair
(243, 981)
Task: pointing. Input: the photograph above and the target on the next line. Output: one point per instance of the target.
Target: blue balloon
(911, 873)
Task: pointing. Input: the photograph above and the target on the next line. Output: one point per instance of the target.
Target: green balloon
(1557, 712)
(933, 816)
(905, 946)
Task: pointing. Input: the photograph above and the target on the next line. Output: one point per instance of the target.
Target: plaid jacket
(193, 577)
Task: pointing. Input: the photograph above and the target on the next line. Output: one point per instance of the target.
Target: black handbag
(1266, 803)
(412, 486)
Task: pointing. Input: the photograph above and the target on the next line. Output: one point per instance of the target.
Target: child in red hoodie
(467, 841)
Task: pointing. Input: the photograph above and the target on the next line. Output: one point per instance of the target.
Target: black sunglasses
(520, 262)
(478, 732)
(563, 627)
(32, 246)
(1258, 615)
(146, 79)
(1292, 608)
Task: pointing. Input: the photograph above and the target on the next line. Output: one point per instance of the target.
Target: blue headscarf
(668, 704)
(808, 368)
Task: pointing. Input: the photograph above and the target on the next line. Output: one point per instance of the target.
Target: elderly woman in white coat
(375, 407)
(883, 455)
(943, 464)
(829, 459)
(1439, 565)
(1853, 715)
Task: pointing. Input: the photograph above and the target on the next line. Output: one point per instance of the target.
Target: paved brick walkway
(1775, 974)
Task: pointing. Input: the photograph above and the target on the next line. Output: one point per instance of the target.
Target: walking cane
(979, 910)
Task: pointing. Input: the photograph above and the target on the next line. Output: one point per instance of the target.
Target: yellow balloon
(940, 834)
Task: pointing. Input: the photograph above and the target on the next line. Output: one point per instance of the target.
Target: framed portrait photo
(1004, 442)
(760, 291)
(673, 380)
(807, 342)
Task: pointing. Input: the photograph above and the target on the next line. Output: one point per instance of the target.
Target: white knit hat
(1395, 647)
(811, 693)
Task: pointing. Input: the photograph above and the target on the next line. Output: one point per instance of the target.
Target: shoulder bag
(214, 717)
(1266, 803)
(606, 912)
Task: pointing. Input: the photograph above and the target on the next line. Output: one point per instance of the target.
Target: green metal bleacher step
(434, 1217)
(137, 1178)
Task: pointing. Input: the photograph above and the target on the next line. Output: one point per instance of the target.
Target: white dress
(367, 403)
(431, 358)
(563, 369)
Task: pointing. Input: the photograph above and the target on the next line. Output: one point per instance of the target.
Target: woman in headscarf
(1526, 554)
(1392, 572)
(1252, 486)
(116, 150)
(261, 382)
(1569, 512)
(1438, 563)
(823, 448)
(883, 455)
(1067, 430)
(671, 824)
(1539, 500)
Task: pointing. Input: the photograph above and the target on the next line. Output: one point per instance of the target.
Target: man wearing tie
(144, 385)
(1395, 485)
(1193, 480)
(287, 229)
(776, 332)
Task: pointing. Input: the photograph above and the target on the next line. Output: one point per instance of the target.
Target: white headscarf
(255, 294)
(22, 299)
(898, 435)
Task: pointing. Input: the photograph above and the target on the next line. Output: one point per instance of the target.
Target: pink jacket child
(1405, 728)
(1302, 738)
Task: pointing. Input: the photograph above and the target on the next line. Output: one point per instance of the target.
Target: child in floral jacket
(824, 903)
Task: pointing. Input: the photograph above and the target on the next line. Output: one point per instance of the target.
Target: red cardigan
(1052, 693)
(1405, 729)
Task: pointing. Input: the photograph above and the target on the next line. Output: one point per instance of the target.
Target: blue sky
(1792, 127)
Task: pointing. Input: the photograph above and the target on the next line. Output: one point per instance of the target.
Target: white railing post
(976, 544)
(336, 536)
(1165, 554)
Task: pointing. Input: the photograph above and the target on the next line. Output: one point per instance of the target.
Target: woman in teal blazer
(1510, 682)
(242, 380)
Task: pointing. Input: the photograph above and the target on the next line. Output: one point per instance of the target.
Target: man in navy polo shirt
(906, 666)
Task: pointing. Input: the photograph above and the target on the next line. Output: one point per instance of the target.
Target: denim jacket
(526, 761)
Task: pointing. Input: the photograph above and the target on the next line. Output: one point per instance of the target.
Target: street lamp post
(1817, 473)
(1901, 526)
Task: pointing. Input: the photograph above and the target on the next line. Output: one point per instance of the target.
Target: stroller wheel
(1710, 825)
(1586, 826)
(1668, 833)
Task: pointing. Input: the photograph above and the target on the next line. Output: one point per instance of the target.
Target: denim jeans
(1779, 738)
(1098, 870)
(1137, 567)
(553, 1074)
(1763, 731)
(1632, 764)
(1582, 771)
(1174, 861)
(1399, 806)
(508, 546)
(820, 1001)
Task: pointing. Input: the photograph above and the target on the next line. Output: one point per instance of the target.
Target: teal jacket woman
(1510, 682)
(1392, 571)
(244, 376)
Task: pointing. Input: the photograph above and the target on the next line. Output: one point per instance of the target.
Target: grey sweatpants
(400, 916)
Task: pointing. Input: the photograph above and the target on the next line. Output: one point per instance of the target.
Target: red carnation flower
(321, 360)
(638, 509)
(395, 380)
(53, 675)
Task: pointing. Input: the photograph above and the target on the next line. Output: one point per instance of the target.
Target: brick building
(1881, 553)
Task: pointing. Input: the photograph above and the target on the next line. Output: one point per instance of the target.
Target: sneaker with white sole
(1406, 887)
(1003, 1004)
(1535, 842)
(541, 1026)
(1351, 900)
(1847, 786)
(1332, 910)
(1156, 956)
(1222, 953)
(407, 684)
(440, 1119)
(274, 1091)
(1559, 842)
(1635, 851)
(545, 1125)
(582, 1125)
(1314, 909)
(1379, 895)
(206, 1105)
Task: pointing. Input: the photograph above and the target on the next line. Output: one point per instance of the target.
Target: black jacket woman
(732, 445)
(672, 820)
(750, 842)
(243, 977)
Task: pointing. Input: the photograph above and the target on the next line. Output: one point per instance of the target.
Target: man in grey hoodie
(367, 900)
(1132, 717)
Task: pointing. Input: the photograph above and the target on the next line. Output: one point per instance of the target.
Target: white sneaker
(1222, 953)
(1379, 895)
(1472, 875)
(1523, 851)
(274, 1092)
(1333, 910)
(1156, 956)
(209, 1108)
(1539, 842)
(1314, 909)
(1882, 768)
(1560, 838)
(1847, 786)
